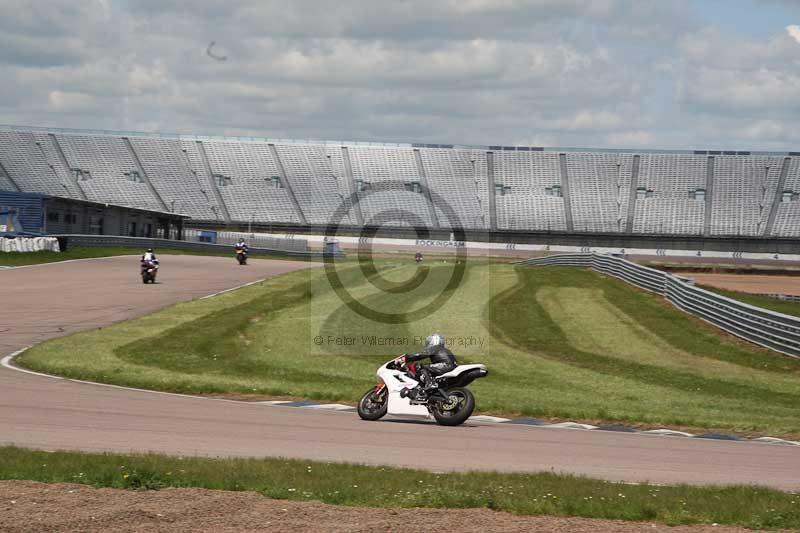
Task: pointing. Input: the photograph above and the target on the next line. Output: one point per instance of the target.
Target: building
(40, 214)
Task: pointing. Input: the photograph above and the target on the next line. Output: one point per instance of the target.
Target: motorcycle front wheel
(456, 410)
(373, 404)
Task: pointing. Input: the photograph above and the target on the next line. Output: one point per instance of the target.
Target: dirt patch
(28, 506)
(750, 283)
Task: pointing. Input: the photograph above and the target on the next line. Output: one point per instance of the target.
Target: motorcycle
(450, 403)
(149, 271)
(241, 255)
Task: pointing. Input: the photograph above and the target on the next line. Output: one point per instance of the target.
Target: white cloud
(537, 72)
(794, 31)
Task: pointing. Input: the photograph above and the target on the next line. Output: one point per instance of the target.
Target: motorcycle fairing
(396, 381)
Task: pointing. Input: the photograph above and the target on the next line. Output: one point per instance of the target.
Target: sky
(671, 74)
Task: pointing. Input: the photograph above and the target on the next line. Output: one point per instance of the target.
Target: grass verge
(773, 304)
(12, 259)
(354, 485)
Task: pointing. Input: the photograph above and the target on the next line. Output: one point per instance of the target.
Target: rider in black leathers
(442, 361)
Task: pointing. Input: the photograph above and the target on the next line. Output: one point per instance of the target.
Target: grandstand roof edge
(180, 136)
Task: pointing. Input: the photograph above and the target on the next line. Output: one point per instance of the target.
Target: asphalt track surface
(51, 300)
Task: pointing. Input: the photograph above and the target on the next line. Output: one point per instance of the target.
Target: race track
(50, 300)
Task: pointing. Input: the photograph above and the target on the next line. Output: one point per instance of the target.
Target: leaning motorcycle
(450, 403)
(149, 271)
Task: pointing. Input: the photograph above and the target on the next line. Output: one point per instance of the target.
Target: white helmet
(434, 341)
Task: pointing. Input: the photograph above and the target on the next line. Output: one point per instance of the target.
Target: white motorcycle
(450, 403)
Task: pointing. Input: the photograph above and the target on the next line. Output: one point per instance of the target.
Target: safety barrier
(770, 329)
(253, 240)
(141, 243)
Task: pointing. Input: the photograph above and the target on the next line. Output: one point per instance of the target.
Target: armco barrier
(142, 243)
(252, 240)
(767, 328)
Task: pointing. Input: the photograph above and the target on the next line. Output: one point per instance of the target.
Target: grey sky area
(599, 73)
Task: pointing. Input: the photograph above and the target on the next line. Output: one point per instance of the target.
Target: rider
(241, 245)
(442, 361)
(149, 256)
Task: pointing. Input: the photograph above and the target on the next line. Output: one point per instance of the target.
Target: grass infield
(342, 484)
(560, 343)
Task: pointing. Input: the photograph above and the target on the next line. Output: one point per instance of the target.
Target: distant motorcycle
(418, 258)
(450, 404)
(241, 255)
(149, 271)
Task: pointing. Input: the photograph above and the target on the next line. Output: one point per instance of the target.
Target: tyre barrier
(766, 328)
(29, 244)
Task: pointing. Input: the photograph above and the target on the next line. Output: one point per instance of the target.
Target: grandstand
(227, 180)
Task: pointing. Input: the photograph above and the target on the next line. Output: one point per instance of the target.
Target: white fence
(29, 244)
(770, 329)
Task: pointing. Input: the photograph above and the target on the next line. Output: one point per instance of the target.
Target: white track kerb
(8, 362)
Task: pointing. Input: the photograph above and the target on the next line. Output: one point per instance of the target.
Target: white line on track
(7, 362)
(65, 261)
(233, 288)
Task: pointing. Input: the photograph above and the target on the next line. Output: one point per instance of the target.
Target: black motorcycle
(149, 271)
(241, 255)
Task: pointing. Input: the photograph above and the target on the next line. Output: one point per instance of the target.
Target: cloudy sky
(589, 73)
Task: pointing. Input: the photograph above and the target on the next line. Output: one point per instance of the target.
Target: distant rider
(442, 361)
(241, 246)
(149, 256)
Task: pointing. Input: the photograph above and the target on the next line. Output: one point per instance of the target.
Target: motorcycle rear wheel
(374, 404)
(456, 410)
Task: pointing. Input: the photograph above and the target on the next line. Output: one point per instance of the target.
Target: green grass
(560, 343)
(35, 258)
(773, 304)
(12, 259)
(353, 485)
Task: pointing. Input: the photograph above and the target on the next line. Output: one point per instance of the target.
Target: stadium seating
(599, 189)
(385, 177)
(108, 171)
(528, 204)
(244, 173)
(171, 172)
(787, 220)
(23, 159)
(258, 180)
(744, 190)
(664, 205)
(313, 180)
(457, 178)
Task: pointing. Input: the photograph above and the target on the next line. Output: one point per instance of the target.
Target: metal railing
(770, 329)
(253, 240)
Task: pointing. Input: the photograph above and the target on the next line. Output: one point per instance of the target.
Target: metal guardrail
(770, 329)
(784, 297)
(142, 243)
(253, 240)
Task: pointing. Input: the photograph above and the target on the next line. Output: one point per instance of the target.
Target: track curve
(50, 300)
